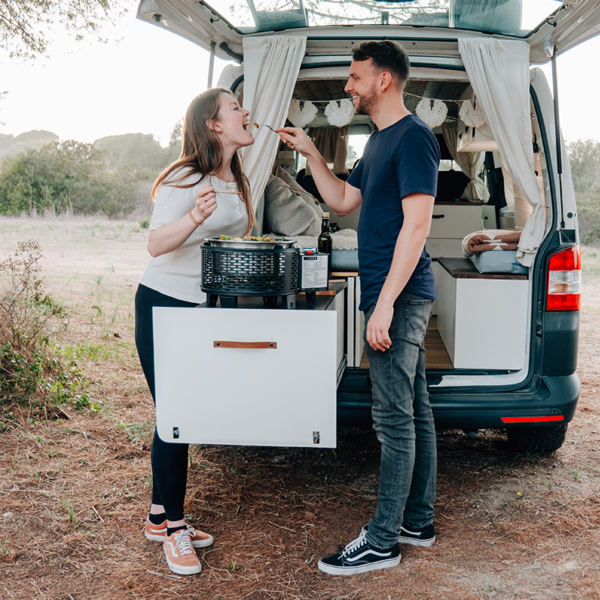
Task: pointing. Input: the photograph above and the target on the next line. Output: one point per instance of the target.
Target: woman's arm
(167, 238)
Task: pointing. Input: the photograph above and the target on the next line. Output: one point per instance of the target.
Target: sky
(143, 79)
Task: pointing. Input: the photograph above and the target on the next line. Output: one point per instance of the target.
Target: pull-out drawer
(246, 376)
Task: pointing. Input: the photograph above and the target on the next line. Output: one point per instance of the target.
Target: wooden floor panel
(437, 355)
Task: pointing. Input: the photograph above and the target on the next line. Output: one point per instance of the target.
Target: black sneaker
(417, 538)
(425, 538)
(360, 557)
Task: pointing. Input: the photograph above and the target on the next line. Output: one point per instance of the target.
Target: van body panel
(560, 339)
(475, 409)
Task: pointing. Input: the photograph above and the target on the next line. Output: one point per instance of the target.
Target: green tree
(68, 175)
(25, 25)
(584, 159)
(137, 150)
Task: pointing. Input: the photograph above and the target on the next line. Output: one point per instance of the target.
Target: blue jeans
(403, 422)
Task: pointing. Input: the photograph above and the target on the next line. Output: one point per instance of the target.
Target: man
(395, 182)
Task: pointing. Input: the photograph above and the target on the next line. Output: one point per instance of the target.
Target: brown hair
(386, 56)
(202, 152)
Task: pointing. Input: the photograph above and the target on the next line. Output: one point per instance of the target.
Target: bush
(30, 374)
(65, 176)
(584, 159)
(588, 209)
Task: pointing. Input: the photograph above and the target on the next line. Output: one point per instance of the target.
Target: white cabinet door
(254, 377)
(455, 221)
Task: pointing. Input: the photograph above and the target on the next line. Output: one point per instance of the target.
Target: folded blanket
(490, 239)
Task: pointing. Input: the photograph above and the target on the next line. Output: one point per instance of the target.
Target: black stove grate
(236, 272)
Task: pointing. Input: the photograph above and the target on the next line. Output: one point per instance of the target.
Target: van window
(514, 17)
(356, 148)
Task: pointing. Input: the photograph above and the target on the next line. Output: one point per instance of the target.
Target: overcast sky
(144, 78)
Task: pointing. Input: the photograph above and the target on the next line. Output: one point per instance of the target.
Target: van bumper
(553, 398)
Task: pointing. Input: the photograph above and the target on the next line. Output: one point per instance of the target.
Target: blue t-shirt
(400, 160)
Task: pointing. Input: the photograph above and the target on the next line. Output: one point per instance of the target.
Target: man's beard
(366, 103)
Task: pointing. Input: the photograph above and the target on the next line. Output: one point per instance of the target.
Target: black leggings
(169, 460)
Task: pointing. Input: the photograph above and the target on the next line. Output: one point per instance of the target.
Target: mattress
(498, 261)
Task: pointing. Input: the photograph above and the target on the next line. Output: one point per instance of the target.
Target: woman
(189, 207)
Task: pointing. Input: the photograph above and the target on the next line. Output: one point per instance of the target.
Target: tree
(584, 159)
(137, 150)
(68, 175)
(25, 25)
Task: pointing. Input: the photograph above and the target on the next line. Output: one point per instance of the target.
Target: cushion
(498, 262)
(344, 260)
(298, 189)
(286, 212)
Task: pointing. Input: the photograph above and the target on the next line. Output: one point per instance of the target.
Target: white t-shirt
(178, 273)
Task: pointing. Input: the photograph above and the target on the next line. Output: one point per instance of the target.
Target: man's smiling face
(363, 85)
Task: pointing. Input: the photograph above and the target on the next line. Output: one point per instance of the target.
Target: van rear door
(571, 24)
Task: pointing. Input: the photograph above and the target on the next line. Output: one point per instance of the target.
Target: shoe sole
(382, 564)
(197, 544)
(413, 542)
(181, 570)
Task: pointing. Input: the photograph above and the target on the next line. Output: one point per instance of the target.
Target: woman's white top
(178, 273)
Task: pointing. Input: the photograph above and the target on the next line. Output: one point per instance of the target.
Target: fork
(263, 125)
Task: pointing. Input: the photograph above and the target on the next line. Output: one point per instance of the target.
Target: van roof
(512, 17)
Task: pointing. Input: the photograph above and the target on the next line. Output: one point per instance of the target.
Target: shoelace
(357, 543)
(183, 541)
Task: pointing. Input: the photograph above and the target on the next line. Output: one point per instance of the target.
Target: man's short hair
(386, 56)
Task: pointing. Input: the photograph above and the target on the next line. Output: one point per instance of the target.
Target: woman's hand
(206, 204)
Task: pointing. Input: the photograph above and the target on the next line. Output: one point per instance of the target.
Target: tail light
(564, 280)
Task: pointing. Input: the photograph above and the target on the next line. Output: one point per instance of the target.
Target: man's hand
(378, 329)
(297, 140)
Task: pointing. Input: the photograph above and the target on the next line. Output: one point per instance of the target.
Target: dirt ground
(74, 492)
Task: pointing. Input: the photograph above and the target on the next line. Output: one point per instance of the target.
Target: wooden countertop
(463, 268)
(322, 302)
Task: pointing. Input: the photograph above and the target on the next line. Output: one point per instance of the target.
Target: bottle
(325, 242)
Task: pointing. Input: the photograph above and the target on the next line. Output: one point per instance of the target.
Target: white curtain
(499, 73)
(470, 163)
(271, 67)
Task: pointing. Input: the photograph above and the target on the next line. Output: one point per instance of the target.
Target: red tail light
(564, 280)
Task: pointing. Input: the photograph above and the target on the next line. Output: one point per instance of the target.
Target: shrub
(584, 159)
(588, 209)
(30, 374)
(65, 176)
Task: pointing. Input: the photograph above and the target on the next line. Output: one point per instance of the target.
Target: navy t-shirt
(400, 160)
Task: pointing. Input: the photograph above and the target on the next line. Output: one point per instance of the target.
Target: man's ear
(386, 81)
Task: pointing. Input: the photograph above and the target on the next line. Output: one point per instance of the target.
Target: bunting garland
(432, 111)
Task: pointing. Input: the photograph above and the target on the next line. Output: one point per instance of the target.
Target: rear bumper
(554, 397)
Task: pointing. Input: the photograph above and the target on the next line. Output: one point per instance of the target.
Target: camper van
(502, 341)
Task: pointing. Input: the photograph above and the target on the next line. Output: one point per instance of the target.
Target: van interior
(479, 325)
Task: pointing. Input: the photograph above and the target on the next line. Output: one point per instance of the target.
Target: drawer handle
(437, 216)
(245, 345)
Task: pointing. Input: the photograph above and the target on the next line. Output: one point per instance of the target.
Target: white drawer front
(284, 396)
(457, 221)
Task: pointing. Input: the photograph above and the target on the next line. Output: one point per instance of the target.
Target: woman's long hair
(202, 152)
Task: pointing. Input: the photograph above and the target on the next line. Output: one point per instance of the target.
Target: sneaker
(423, 538)
(360, 557)
(180, 554)
(158, 533)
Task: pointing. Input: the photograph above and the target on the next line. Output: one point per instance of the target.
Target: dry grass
(74, 492)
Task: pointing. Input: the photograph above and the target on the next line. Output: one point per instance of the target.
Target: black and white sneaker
(423, 538)
(360, 557)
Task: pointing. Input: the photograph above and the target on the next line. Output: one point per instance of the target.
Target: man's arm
(340, 196)
(418, 209)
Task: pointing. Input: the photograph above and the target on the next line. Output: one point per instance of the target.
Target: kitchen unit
(251, 375)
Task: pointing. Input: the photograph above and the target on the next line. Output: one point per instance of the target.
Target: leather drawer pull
(245, 345)
(437, 216)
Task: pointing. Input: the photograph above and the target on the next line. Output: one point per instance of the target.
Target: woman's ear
(214, 125)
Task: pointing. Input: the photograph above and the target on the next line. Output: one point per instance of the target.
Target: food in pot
(249, 238)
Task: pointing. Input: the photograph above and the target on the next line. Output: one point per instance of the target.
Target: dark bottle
(325, 243)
